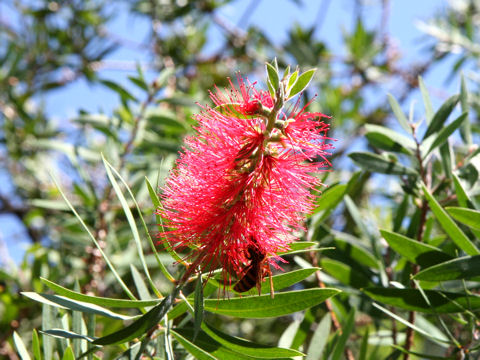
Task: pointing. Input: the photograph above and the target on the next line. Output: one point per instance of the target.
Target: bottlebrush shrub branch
(244, 180)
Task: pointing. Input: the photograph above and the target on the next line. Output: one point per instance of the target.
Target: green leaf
(426, 100)
(166, 244)
(77, 322)
(330, 198)
(130, 218)
(124, 94)
(298, 245)
(457, 235)
(364, 346)
(272, 75)
(410, 325)
(263, 306)
(233, 110)
(379, 164)
(65, 334)
(462, 196)
(109, 302)
(142, 289)
(416, 252)
(460, 268)
(94, 240)
(466, 130)
(49, 204)
(446, 131)
(248, 348)
(301, 83)
(198, 306)
(193, 349)
(204, 346)
(441, 115)
(182, 307)
(165, 118)
(346, 330)
(68, 354)
(142, 325)
(412, 300)
(20, 346)
(47, 323)
(66, 303)
(402, 119)
(387, 139)
(292, 79)
(139, 82)
(424, 356)
(37, 353)
(352, 248)
(285, 280)
(345, 273)
(319, 338)
(467, 216)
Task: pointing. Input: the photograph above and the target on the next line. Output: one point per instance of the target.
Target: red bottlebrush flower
(242, 183)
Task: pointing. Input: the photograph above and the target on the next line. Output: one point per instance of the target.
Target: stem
(328, 304)
(421, 228)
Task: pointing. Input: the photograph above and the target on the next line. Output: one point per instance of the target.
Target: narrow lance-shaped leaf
(66, 303)
(455, 233)
(330, 198)
(467, 216)
(412, 300)
(198, 306)
(426, 100)
(142, 325)
(388, 139)
(319, 338)
(441, 115)
(342, 341)
(466, 130)
(247, 347)
(105, 257)
(448, 130)
(21, 348)
(130, 220)
(36, 345)
(465, 267)
(109, 302)
(166, 244)
(301, 83)
(415, 251)
(272, 76)
(124, 94)
(410, 325)
(205, 345)
(397, 110)
(263, 306)
(193, 349)
(377, 163)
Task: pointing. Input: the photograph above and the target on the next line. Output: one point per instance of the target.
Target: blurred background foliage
(47, 47)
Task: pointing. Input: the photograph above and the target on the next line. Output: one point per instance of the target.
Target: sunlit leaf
(455, 233)
(263, 306)
(467, 216)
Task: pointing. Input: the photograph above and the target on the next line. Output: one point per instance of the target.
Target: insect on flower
(254, 273)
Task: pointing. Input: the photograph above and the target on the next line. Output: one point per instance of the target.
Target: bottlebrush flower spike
(244, 181)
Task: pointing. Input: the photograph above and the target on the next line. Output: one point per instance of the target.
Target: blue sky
(275, 18)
